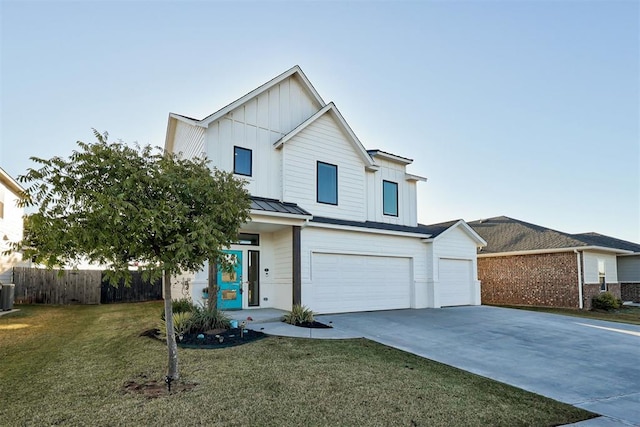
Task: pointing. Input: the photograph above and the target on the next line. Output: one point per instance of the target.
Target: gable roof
(442, 228)
(295, 71)
(10, 183)
(342, 123)
(508, 235)
(607, 241)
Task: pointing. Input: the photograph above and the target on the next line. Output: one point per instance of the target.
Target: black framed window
(327, 183)
(390, 198)
(242, 161)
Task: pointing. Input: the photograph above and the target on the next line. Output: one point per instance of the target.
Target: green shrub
(206, 318)
(183, 305)
(181, 324)
(605, 301)
(299, 314)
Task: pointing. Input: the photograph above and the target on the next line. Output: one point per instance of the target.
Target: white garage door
(345, 283)
(456, 282)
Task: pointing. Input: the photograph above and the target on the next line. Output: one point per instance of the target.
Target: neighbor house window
(602, 279)
(327, 183)
(389, 198)
(241, 161)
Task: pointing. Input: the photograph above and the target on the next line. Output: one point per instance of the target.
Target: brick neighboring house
(527, 264)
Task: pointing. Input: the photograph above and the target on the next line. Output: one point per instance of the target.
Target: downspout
(580, 303)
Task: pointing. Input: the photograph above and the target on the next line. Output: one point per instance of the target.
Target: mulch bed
(313, 325)
(221, 339)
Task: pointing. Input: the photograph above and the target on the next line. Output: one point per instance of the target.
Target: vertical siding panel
(274, 110)
(263, 110)
(285, 112)
(250, 112)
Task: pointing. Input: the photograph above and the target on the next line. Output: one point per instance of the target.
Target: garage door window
(327, 183)
(390, 198)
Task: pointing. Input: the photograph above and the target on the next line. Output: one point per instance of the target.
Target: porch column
(297, 271)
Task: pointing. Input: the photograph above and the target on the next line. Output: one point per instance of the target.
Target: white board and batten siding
(257, 125)
(11, 226)
(324, 141)
(590, 260)
(188, 140)
(455, 270)
(407, 204)
(345, 271)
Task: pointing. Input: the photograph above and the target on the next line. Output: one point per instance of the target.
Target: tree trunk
(172, 347)
(212, 302)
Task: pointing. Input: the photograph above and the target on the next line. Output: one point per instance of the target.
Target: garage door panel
(344, 283)
(456, 282)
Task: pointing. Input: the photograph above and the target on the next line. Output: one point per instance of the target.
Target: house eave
(556, 250)
(10, 183)
(367, 230)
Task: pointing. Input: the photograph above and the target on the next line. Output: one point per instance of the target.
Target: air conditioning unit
(6, 297)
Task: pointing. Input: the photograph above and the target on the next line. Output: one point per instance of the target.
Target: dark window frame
(397, 208)
(235, 164)
(335, 167)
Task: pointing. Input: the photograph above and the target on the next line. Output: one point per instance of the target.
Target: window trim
(602, 275)
(384, 212)
(235, 155)
(318, 163)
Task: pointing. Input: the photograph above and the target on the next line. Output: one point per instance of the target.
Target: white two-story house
(333, 225)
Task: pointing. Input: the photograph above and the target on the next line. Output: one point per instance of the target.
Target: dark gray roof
(374, 225)
(436, 229)
(597, 239)
(504, 234)
(273, 205)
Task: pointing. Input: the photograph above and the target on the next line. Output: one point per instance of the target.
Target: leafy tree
(117, 205)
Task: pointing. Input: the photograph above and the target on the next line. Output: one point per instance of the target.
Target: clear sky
(528, 109)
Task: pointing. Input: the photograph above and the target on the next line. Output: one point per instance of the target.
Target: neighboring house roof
(272, 205)
(508, 235)
(610, 242)
(442, 228)
(372, 225)
(342, 123)
(10, 183)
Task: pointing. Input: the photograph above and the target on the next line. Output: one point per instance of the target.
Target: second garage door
(456, 284)
(347, 283)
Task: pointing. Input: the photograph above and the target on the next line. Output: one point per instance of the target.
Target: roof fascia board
(261, 213)
(367, 230)
(331, 108)
(10, 183)
(296, 70)
(186, 120)
(412, 177)
(392, 157)
(556, 250)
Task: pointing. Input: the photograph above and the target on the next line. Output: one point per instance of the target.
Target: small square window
(242, 161)
(390, 198)
(327, 183)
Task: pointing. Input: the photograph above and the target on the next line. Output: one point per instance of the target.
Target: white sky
(528, 109)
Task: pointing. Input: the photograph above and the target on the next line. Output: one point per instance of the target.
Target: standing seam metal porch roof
(273, 205)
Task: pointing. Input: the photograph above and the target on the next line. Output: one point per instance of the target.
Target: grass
(622, 315)
(67, 365)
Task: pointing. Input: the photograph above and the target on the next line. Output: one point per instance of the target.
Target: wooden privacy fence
(41, 286)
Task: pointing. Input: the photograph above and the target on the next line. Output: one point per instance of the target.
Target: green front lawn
(623, 315)
(68, 365)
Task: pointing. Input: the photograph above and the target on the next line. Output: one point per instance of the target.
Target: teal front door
(230, 283)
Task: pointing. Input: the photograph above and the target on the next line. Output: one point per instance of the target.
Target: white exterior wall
(324, 240)
(407, 205)
(257, 125)
(591, 267)
(189, 140)
(11, 225)
(629, 268)
(324, 141)
(454, 244)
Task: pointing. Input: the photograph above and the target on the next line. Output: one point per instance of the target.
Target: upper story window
(242, 161)
(327, 183)
(390, 198)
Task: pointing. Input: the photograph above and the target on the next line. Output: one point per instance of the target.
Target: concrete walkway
(587, 363)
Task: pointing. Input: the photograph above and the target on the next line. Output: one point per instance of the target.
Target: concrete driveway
(591, 364)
